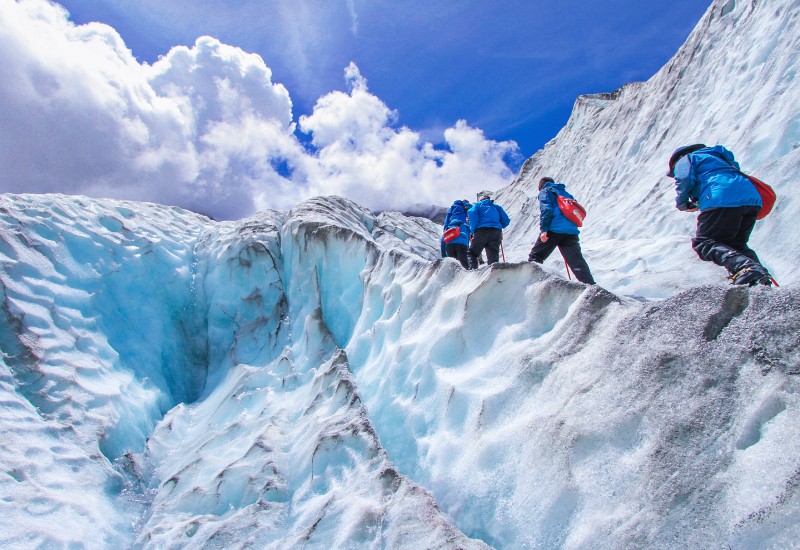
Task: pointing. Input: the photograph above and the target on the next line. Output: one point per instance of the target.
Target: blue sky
(232, 107)
(512, 68)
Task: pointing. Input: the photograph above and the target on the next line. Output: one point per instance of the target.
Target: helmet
(681, 152)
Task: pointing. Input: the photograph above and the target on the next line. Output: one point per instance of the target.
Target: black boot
(751, 276)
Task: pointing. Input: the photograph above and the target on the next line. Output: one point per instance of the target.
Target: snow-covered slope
(289, 381)
(734, 82)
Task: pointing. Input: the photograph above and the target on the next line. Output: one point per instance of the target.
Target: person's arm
(546, 201)
(546, 204)
(473, 219)
(685, 186)
(504, 219)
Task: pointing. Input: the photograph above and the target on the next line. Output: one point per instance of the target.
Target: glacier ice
(288, 380)
(169, 380)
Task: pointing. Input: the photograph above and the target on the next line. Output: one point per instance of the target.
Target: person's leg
(570, 248)
(494, 238)
(457, 250)
(748, 222)
(716, 229)
(480, 238)
(541, 251)
(462, 255)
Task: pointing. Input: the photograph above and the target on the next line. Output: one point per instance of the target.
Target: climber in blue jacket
(457, 218)
(555, 230)
(486, 221)
(708, 179)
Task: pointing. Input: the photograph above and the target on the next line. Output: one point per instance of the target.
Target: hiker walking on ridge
(558, 231)
(457, 232)
(708, 179)
(486, 221)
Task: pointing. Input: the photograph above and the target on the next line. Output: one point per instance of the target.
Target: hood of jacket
(560, 188)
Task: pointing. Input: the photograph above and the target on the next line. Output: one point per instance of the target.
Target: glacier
(313, 379)
(320, 378)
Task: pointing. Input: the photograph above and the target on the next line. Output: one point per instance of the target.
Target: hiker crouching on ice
(558, 231)
(708, 179)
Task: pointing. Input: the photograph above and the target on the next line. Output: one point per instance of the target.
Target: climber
(708, 179)
(486, 221)
(556, 230)
(456, 232)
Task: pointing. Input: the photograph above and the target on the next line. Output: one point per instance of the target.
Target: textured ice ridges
(288, 380)
(170, 382)
(97, 335)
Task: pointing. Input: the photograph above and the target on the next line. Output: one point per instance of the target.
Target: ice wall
(281, 451)
(306, 386)
(99, 339)
(733, 82)
(168, 381)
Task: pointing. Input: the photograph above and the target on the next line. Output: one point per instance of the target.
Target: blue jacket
(487, 214)
(551, 219)
(710, 177)
(457, 217)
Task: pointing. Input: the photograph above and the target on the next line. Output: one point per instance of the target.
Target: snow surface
(319, 378)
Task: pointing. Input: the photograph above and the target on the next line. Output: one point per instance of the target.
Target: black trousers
(570, 248)
(489, 238)
(722, 235)
(458, 251)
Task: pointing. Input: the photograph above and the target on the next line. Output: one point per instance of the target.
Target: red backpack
(573, 211)
(452, 234)
(768, 195)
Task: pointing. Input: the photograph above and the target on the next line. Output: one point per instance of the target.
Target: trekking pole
(566, 265)
(503, 252)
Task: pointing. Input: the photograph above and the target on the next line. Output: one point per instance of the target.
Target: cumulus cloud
(362, 155)
(205, 128)
(79, 114)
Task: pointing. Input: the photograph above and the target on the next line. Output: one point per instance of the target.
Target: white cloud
(351, 8)
(206, 128)
(362, 156)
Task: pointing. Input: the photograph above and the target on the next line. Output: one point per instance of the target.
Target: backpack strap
(550, 188)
